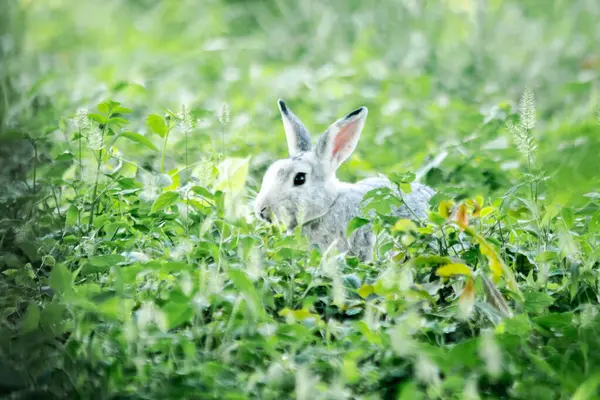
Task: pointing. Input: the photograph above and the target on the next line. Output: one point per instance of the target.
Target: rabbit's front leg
(361, 243)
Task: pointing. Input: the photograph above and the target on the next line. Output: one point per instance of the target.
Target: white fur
(324, 206)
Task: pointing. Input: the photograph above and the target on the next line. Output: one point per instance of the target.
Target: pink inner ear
(343, 137)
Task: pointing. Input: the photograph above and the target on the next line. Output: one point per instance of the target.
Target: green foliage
(131, 264)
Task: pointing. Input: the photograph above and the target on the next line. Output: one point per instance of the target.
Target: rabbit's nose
(265, 214)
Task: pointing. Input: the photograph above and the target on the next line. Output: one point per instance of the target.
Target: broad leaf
(140, 139)
(31, 319)
(163, 201)
(232, 174)
(453, 270)
(157, 124)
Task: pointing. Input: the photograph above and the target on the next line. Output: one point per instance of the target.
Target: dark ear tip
(359, 110)
(282, 106)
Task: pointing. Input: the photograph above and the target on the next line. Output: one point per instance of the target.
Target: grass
(135, 135)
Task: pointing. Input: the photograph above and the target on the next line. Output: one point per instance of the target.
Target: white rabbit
(303, 189)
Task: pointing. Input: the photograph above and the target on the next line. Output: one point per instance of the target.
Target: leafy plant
(132, 266)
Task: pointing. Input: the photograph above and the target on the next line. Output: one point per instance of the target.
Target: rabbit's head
(303, 187)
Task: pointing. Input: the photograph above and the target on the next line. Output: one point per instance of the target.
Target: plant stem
(94, 200)
(80, 158)
(164, 150)
(35, 158)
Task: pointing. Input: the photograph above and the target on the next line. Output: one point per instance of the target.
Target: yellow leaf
(479, 200)
(407, 240)
(466, 301)
(298, 315)
(366, 290)
(493, 258)
(174, 174)
(350, 370)
(462, 219)
(453, 269)
(232, 174)
(500, 328)
(404, 225)
(477, 204)
(444, 208)
(426, 230)
(486, 211)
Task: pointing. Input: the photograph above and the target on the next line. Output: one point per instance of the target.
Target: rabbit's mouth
(266, 214)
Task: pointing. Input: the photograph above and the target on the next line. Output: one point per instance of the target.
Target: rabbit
(303, 189)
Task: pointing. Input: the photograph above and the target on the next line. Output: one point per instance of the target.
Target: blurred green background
(436, 75)
(441, 79)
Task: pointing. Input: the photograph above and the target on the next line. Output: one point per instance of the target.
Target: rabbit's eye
(299, 179)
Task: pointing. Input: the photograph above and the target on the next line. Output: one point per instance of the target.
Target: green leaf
(454, 269)
(106, 261)
(61, 279)
(518, 325)
(406, 188)
(163, 201)
(588, 389)
(402, 178)
(404, 225)
(65, 157)
(157, 124)
(140, 139)
(71, 216)
(118, 121)
(202, 192)
(177, 310)
(437, 218)
(354, 224)
(366, 290)
(232, 174)
(31, 319)
(246, 287)
(568, 216)
(380, 200)
(97, 117)
(121, 110)
(103, 107)
(299, 315)
(537, 302)
(410, 391)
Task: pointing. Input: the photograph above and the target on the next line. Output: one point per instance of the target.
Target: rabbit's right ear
(298, 138)
(340, 139)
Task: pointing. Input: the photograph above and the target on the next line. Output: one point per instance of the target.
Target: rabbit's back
(331, 228)
(417, 200)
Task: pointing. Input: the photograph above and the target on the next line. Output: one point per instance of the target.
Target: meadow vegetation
(134, 136)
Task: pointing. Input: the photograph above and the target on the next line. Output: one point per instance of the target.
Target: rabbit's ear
(340, 139)
(298, 138)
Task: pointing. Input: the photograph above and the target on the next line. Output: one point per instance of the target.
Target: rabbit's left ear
(340, 139)
(298, 138)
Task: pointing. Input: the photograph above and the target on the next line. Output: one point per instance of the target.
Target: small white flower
(305, 384)
(145, 315)
(426, 370)
(89, 247)
(470, 392)
(254, 269)
(163, 180)
(136, 256)
(22, 232)
(181, 250)
(267, 330)
(490, 352)
(95, 139)
(402, 342)
(588, 315)
(224, 114)
(81, 119)
(185, 121)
